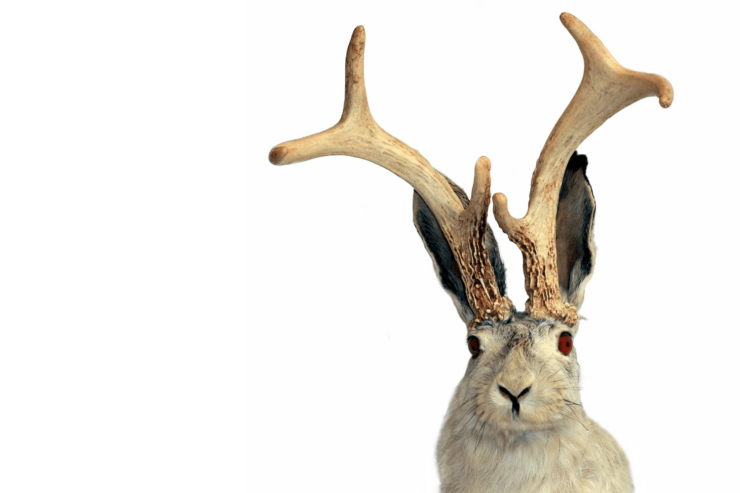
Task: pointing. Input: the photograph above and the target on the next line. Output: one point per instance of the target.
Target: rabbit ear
(574, 230)
(444, 262)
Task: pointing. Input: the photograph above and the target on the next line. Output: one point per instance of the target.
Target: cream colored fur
(553, 447)
(547, 444)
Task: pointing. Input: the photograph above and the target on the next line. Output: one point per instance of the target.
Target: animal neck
(504, 440)
(511, 458)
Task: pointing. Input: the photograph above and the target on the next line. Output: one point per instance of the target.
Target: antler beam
(605, 89)
(358, 135)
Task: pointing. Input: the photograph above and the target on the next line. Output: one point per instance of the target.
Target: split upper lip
(514, 399)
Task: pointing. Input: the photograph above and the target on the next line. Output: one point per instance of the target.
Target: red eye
(565, 344)
(474, 346)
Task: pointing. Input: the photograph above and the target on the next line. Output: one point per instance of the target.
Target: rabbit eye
(565, 344)
(474, 346)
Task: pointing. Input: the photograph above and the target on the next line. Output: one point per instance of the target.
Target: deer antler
(606, 88)
(358, 135)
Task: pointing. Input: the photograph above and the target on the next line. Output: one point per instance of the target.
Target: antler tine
(605, 89)
(358, 135)
(477, 273)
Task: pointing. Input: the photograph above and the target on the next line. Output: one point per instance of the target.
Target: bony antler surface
(358, 135)
(606, 88)
(515, 423)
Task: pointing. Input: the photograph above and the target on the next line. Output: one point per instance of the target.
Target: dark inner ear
(574, 231)
(441, 253)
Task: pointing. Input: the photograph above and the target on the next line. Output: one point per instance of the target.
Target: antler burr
(605, 89)
(522, 378)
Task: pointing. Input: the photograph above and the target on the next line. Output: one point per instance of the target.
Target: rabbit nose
(514, 398)
(515, 408)
(517, 386)
(516, 377)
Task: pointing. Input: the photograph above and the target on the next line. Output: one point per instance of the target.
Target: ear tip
(577, 161)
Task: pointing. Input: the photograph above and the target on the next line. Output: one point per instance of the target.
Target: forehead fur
(520, 330)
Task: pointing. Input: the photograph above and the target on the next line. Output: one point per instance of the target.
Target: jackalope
(515, 422)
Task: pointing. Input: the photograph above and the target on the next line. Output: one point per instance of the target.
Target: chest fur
(544, 462)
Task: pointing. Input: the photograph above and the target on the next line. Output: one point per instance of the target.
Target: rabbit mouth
(515, 406)
(521, 410)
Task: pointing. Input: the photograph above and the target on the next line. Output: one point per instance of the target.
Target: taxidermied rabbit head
(522, 376)
(523, 372)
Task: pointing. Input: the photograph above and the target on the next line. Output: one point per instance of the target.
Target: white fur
(552, 447)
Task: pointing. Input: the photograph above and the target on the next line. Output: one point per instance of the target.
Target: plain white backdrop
(176, 314)
(353, 348)
(122, 246)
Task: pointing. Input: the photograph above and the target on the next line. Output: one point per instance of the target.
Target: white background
(176, 314)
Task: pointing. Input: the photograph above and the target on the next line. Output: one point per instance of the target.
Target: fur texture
(550, 445)
(516, 423)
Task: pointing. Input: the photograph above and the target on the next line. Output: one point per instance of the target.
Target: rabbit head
(522, 376)
(523, 371)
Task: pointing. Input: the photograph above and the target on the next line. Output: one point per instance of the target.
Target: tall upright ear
(574, 230)
(444, 262)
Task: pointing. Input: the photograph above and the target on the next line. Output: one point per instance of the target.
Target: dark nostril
(506, 393)
(523, 392)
